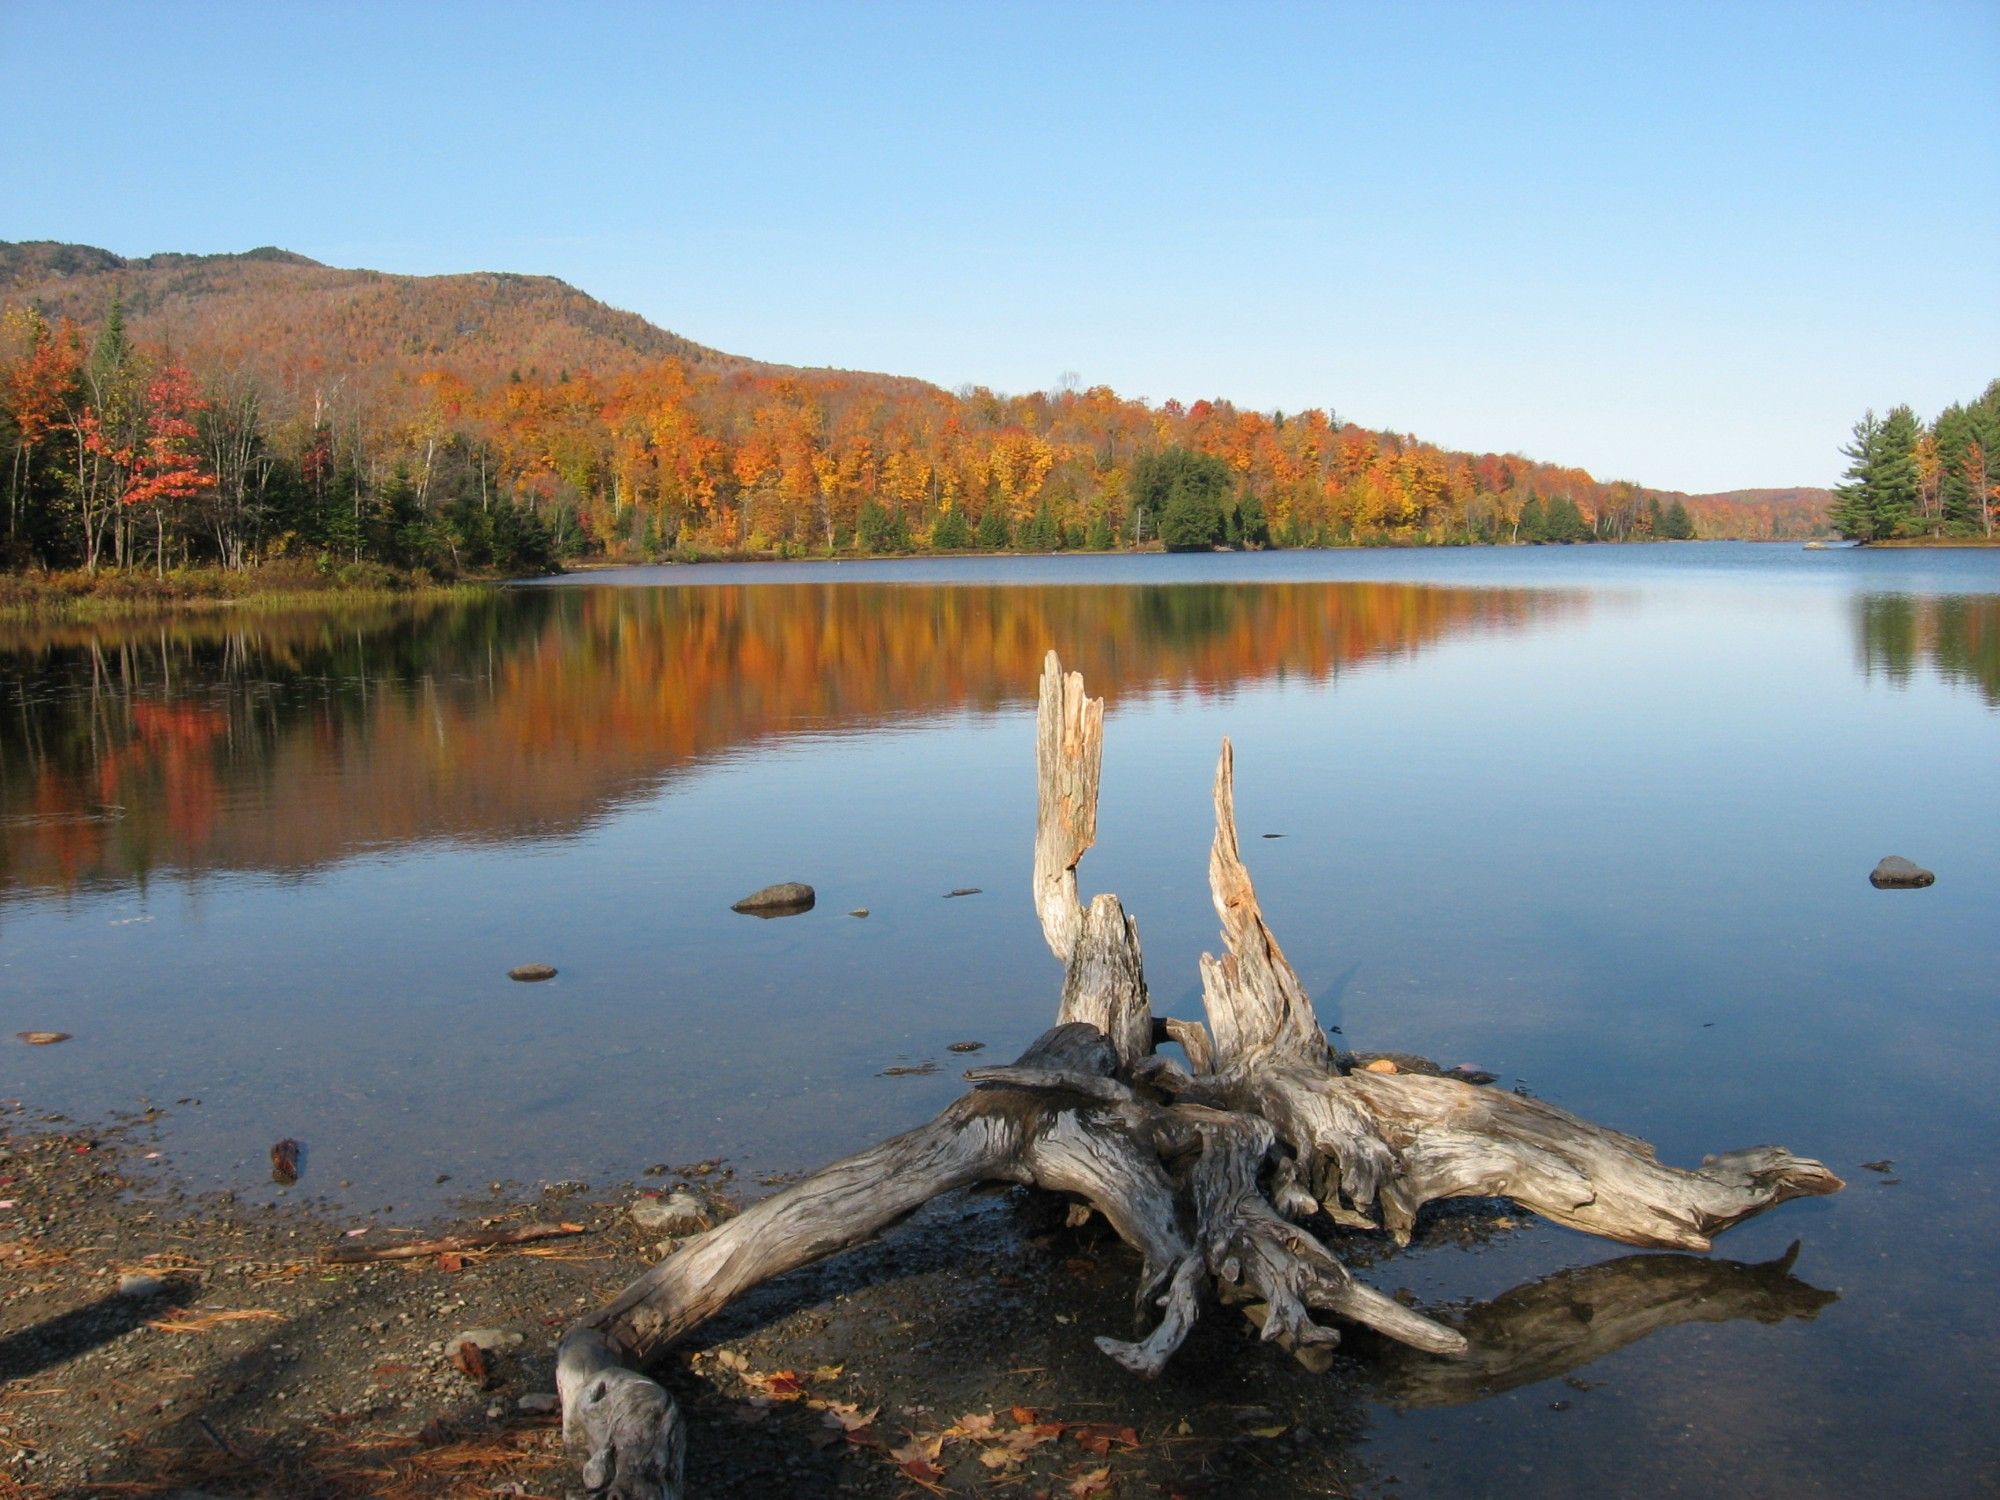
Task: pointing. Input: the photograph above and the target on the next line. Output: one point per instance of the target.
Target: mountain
(350, 388)
(1757, 515)
(225, 308)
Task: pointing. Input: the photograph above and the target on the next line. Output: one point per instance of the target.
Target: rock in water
(677, 1213)
(42, 1038)
(1898, 874)
(782, 900)
(532, 973)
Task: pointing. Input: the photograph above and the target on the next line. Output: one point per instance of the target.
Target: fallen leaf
(919, 1448)
(1095, 1482)
(847, 1416)
(1278, 1430)
(471, 1362)
(451, 1260)
(1097, 1437)
(1009, 1448)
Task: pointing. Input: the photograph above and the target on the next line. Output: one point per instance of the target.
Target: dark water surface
(1597, 819)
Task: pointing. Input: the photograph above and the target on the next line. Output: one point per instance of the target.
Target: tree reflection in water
(279, 743)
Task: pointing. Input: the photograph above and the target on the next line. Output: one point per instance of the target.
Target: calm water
(1598, 819)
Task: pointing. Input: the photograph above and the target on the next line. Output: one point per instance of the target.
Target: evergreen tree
(1253, 529)
(994, 533)
(1185, 492)
(881, 530)
(1895, 476)
(1676, 525)
(1534, 523)
(1879, 499)
(112, 357)
(951, 532)
(1853, 511)
(1041, 532)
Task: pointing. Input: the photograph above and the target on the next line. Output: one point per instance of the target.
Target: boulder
(782, 900)
(491, 1340)
(1898, 874)
(677, 1213)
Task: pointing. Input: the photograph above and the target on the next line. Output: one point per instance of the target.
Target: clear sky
(1682, 244)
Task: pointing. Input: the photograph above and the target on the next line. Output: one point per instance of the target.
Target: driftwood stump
(1209, 1171)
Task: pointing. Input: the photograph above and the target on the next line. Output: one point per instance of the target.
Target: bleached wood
(1207, 1174)
(1256, 1006)
(1069, 757)
(1104, 981)
(1390, 1142)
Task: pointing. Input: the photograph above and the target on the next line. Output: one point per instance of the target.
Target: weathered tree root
(1205, 1173)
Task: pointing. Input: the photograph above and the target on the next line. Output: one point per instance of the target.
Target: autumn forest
(261, 409)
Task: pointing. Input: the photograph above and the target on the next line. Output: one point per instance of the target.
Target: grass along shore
(112, 593)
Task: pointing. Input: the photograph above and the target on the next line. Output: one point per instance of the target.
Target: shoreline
(258, 1369)
(69, 598)
(1934, 543)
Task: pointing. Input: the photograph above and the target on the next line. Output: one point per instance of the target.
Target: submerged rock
(1898, 874)
(42, 1038)
(782, 900)
(532, 973)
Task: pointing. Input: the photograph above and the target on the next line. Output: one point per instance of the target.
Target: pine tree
(994, 533)
(112, 357)
(1896, 482)
(1534, 523)
(1853, 512)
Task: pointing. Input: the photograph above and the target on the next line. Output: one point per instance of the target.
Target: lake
(1598, 819)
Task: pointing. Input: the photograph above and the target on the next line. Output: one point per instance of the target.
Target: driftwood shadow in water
(1563, 1322)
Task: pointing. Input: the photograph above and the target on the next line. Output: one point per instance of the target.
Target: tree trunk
(1206, 1173)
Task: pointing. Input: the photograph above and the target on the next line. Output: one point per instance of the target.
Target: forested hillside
(240, 408)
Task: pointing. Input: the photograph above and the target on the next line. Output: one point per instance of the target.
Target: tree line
(1906, 479)
(127, 454)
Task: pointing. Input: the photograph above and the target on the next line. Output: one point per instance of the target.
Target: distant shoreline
(1946, 543)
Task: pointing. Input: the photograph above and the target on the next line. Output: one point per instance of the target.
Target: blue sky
(1682, 244)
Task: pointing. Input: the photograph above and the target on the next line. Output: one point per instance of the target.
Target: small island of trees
(1905, 480)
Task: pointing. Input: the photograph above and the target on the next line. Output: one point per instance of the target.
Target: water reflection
(1955, 635)
(1568, 1320)
(279, 743)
